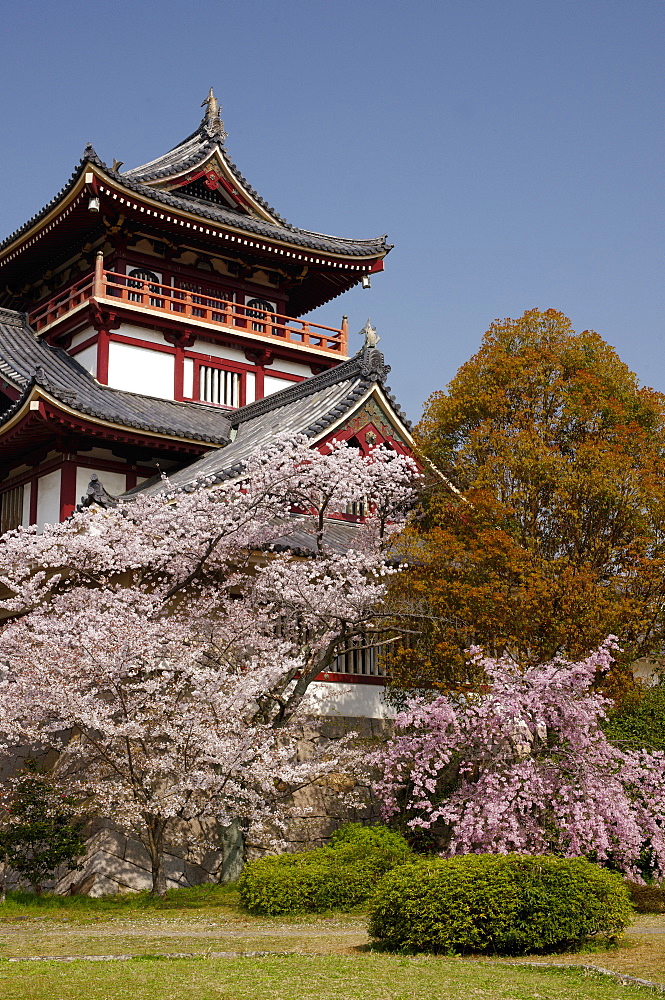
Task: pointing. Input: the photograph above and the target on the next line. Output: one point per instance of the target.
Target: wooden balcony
(197, 310)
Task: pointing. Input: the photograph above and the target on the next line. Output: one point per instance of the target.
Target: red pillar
(259, 372)
(103, 357)
(179, 368)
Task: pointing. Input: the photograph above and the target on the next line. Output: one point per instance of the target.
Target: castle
(155, 320)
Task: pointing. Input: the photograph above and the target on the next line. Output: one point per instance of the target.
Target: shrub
(339, 876)
(507, 904)
(40, 833)
(647, 898)
(369, 837)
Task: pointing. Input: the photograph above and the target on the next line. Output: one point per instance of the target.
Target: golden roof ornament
(212, 122)
(369, 333)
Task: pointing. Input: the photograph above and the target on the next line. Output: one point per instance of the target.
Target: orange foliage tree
(556, 537)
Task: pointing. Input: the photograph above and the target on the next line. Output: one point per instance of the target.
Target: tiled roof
(280, 230)
(302, 538)
(283, 232)
(196, 148)
(26, 361)
(309, 407)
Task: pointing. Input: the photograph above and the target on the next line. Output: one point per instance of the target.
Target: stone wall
(115, 863)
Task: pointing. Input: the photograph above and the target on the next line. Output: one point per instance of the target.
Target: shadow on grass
(589, 946)
(21, 904)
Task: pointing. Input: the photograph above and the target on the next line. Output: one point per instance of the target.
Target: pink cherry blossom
(525, 766)
(162, 649)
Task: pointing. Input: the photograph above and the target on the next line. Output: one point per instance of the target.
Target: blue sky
(511, 149)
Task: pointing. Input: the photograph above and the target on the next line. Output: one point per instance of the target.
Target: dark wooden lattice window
(359, 658)
(258, 310)
(11, 509)
(203, 298)
(147, 281)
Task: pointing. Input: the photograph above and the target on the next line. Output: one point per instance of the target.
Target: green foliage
(647, 898)
(369, 837)
(335, 877)
(507, 904)
(40, 832)
(640, 722)
(556, 538)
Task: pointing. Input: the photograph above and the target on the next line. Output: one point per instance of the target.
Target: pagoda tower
(148, 315)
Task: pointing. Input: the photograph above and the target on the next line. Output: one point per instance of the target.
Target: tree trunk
(158, 876)
(156, 850)
(232, 843)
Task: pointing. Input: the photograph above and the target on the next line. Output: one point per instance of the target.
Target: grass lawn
(327, 956)
(301, 977)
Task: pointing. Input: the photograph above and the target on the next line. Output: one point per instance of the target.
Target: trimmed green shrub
(506, 904)
(369, 837)
(335, 877)
(647, 898)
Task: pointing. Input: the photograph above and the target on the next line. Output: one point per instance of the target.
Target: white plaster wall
(219, 351)
(365, 701)
(291, 368)
(188, 377)
(25, 517)
(82, 335)
(88, 358)
(139, 333)
(271, 384)
(48, 498)
(250, 387)
(114, 483)
(138, 369)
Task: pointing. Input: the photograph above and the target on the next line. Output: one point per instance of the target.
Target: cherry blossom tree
(525, 766)
(163, 648)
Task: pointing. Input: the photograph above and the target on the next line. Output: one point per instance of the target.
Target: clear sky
(511, 149)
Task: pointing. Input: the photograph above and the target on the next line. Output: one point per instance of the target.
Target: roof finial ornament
(212, 122)
(369, 333)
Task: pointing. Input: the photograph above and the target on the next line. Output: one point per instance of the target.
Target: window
(358, 508)
(204, 299)
(146, 281)
(218, 386)
(359, 658)
(258, 310)
(11, 509)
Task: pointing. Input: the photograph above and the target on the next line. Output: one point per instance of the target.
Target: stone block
(106, 839)
(136, 854)
(97, 885)
(174, 868)
(195, 874)
(212, 862)
(132, 879)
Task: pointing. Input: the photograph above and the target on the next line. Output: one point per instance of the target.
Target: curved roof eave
(359, 249)
(89, 156)
(30, 364)
(290, 236)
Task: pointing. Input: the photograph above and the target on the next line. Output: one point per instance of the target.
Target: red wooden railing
(153, 297)
(62, 303)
